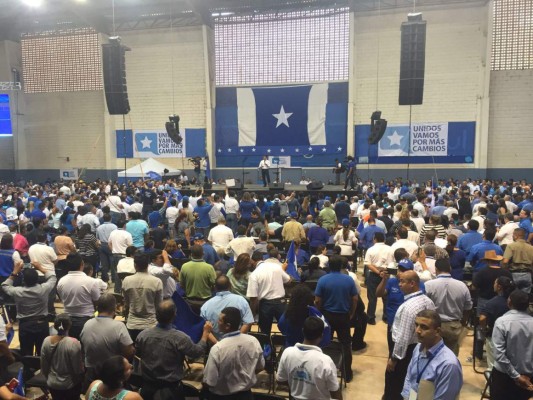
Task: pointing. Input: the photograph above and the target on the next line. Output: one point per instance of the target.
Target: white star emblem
(339, 148)
(395, 139)
(282, 150)
(253, 149)
(310, 148)
(323, 149)
(282, 117)
(268, 151)
(220, 150)
(229, 150)
(297, 150)
(241, 150)
(146, 142)
(325, 322)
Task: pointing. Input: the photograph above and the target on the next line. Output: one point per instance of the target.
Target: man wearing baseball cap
(292, 229)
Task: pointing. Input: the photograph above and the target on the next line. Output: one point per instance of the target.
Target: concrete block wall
(456, 43)
(511, 119)
(165, 74)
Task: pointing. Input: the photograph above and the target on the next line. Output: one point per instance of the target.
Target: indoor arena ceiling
(107, 16)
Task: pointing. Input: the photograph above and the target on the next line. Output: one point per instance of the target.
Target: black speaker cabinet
(413, 61)
(315, 185)
(114, 68)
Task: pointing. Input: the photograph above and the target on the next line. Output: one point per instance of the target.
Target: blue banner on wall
(443, 143)
(307, 122)
(156, 144)
(5, 116)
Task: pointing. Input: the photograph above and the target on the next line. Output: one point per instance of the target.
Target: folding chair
(484, 394)
(336, 353)
(271, 362)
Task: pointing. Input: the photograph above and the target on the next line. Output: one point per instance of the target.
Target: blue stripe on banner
(338, 93)
(195, 142)
(124, 143)
(461, 147)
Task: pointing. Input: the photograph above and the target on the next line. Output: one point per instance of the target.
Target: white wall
(456, 46)
(511, 119)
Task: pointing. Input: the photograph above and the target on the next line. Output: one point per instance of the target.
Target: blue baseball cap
(406, 264)
(294, 214)
(198, 236)
(345, 222)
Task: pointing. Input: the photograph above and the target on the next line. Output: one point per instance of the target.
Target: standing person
(433, 365)
(453, 302)
(138, 229)
(142, 293)
(78, 292)
(336, 297)
(338, 170)
(31, 301)
(104, 337)
(403, 334)
(264, 166)
(266, 291)
(103, 233)
(232, 210)
(110, 385)
(518, 257)
(88, 245)
(162, 350)
(513, 351)
(62, 362)
(234, 362)
(350, 174)
(119, 240)
(63, 246)
(307, 360)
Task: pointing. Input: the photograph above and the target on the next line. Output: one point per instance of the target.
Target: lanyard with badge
(413, 395)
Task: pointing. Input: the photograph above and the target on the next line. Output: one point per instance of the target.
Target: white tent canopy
(150, 165)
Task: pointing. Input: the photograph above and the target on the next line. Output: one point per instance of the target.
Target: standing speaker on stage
(264, 166)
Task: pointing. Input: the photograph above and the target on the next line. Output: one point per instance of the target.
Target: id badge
(413, 395)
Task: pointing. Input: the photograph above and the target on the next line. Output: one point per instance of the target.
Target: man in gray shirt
(103, 337)
(453, 301)
(162, 350)
(142, 294)
(31, 301)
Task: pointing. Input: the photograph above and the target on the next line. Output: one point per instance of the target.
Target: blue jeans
(232, 222)
(106, 263)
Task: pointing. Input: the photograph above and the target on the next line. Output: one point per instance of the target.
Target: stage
(327, 190)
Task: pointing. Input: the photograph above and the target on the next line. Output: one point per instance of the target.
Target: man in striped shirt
(403, 334)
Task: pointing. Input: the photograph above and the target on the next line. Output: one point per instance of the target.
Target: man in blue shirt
(366, 240)
(210, 254)
(526, 224)
(203, 220)
(477, 253)
(336, 297)
(470, 238)
(350, 174)
(138, 229)
(433, 368)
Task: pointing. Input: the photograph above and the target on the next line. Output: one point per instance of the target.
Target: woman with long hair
(54, 219)
(346, 240)
(87, 245)
(314, 271)
(173, 250)
(62, 361)
(457, 257)
(114, 373)
(305, 208)
(182, 229)
(292, 321)
(239, 274)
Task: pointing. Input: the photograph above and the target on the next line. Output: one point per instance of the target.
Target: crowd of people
(434, 252)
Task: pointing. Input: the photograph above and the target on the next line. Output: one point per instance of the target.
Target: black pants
(268, 310)
(350, 179)
(134, 333)
(69, 394)
(51, 296)
(32, 332)
(265, 174)
(372, 282)
(161, 390)
(246, 395)
(77, 326)
(502, 387)
(340, 323)
(359, 322)
(394, 380)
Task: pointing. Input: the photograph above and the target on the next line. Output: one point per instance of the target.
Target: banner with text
(149, 143)
(427, 139)
(280, 161)
(430, 142)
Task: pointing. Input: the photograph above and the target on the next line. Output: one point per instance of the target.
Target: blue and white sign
(156, 144)
(427, 139)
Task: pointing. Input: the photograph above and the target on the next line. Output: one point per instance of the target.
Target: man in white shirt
(232, 210)
(119, 240)
(264, 166)
(230, 371)
(220, 236)
(402, 241)
(90, 218)
(505, 232)
(115, 206)
(241, 244)
(217, 211)
(43, 253)
(161, 268)
(310, 373)
(79, 293)
(171, 214)
(378, 258)
(266, 290)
